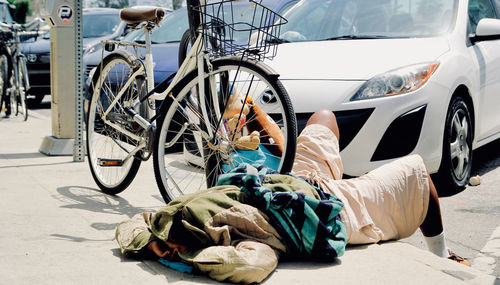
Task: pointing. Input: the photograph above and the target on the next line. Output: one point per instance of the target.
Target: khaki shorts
(387, 203)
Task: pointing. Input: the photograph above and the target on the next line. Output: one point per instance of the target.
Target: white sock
(437, 245)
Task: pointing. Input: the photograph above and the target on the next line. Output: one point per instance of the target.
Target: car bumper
(376, 131)
(39, 78)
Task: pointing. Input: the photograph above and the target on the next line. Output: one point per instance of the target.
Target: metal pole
(78, 147)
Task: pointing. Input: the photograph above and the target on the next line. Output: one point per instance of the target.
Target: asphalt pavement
(472, 217)
(58, 228)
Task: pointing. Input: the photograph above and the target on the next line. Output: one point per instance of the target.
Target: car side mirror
(487, 29)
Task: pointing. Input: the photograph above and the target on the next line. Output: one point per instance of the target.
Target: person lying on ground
(239, 229)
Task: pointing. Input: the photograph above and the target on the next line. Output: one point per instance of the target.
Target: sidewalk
(58, 228)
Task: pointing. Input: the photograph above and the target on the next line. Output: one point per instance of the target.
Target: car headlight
(396, 82)
(90, 48)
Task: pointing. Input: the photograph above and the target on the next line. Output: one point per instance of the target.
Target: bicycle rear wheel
(21, 89)
(110, 151)
(12, 95)
(210, 146)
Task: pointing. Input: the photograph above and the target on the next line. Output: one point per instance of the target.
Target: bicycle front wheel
(250, 120)
(22, 88)
(4, 79)
(112, 136)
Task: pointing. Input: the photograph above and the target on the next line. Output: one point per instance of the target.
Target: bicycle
(221, 93)
(13, 71)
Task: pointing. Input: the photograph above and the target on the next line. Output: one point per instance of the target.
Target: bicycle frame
(196, 60)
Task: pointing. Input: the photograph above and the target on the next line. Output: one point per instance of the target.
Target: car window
(331, 19)
(172, 28)
(174, 25)
(5, 14)
(99, 25)
(479, 9)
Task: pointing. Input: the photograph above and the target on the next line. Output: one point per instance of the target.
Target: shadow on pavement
(22, 155)
(486, 158)
(299, 264)
(92, 200)
(33, 165)
(76, 239)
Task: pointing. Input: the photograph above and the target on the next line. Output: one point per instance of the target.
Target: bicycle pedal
(104, 162)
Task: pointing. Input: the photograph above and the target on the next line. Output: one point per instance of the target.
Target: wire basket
(249, 31)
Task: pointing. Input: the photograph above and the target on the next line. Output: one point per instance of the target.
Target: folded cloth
(306, 218)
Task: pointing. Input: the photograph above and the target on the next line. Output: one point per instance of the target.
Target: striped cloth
(311, 228)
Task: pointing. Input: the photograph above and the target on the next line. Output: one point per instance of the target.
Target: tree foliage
(20, 11)
(112, 3)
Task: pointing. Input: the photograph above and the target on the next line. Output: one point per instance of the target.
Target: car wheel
(456, 162)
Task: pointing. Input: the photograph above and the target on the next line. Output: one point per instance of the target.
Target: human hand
(166, 249)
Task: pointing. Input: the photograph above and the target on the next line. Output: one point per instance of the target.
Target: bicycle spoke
(111, 134)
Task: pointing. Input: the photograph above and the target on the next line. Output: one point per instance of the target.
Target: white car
(402, 76)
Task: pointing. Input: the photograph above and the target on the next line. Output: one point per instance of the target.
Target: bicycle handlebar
(21, 27)
(32, 24)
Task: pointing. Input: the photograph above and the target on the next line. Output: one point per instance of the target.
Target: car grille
(350, 123)
(88, 68)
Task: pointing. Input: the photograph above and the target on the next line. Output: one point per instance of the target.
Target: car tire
(184, 46)
(455, 169)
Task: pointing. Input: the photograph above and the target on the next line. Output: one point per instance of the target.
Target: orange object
(270, 133)
(235, 106)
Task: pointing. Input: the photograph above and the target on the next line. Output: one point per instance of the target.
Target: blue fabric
(179, 266)
(256, 158)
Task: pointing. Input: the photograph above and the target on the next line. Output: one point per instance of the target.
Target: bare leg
(432, 227)
(326, 118)
(433, 223)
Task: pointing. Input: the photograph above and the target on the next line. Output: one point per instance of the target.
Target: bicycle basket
(235, 29)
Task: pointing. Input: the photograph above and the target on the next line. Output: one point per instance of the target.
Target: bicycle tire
(12, 93)
(4, 78)
(22, 88)
(105, 143)
(174, 177)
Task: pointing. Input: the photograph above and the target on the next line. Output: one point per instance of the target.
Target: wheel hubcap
(459, 148)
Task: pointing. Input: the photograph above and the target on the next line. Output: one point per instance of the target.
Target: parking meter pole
(64, 19)
(78, 146)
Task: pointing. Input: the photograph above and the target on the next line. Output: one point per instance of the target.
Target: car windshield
(313, 20)
(133, 35)
(242, 16)
(99, 25)
(5, 14)
(171, 29)
(175, 24)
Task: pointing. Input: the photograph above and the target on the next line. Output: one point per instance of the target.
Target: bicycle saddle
(135, 15)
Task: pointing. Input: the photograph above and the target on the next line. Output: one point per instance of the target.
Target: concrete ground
(58, 228)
